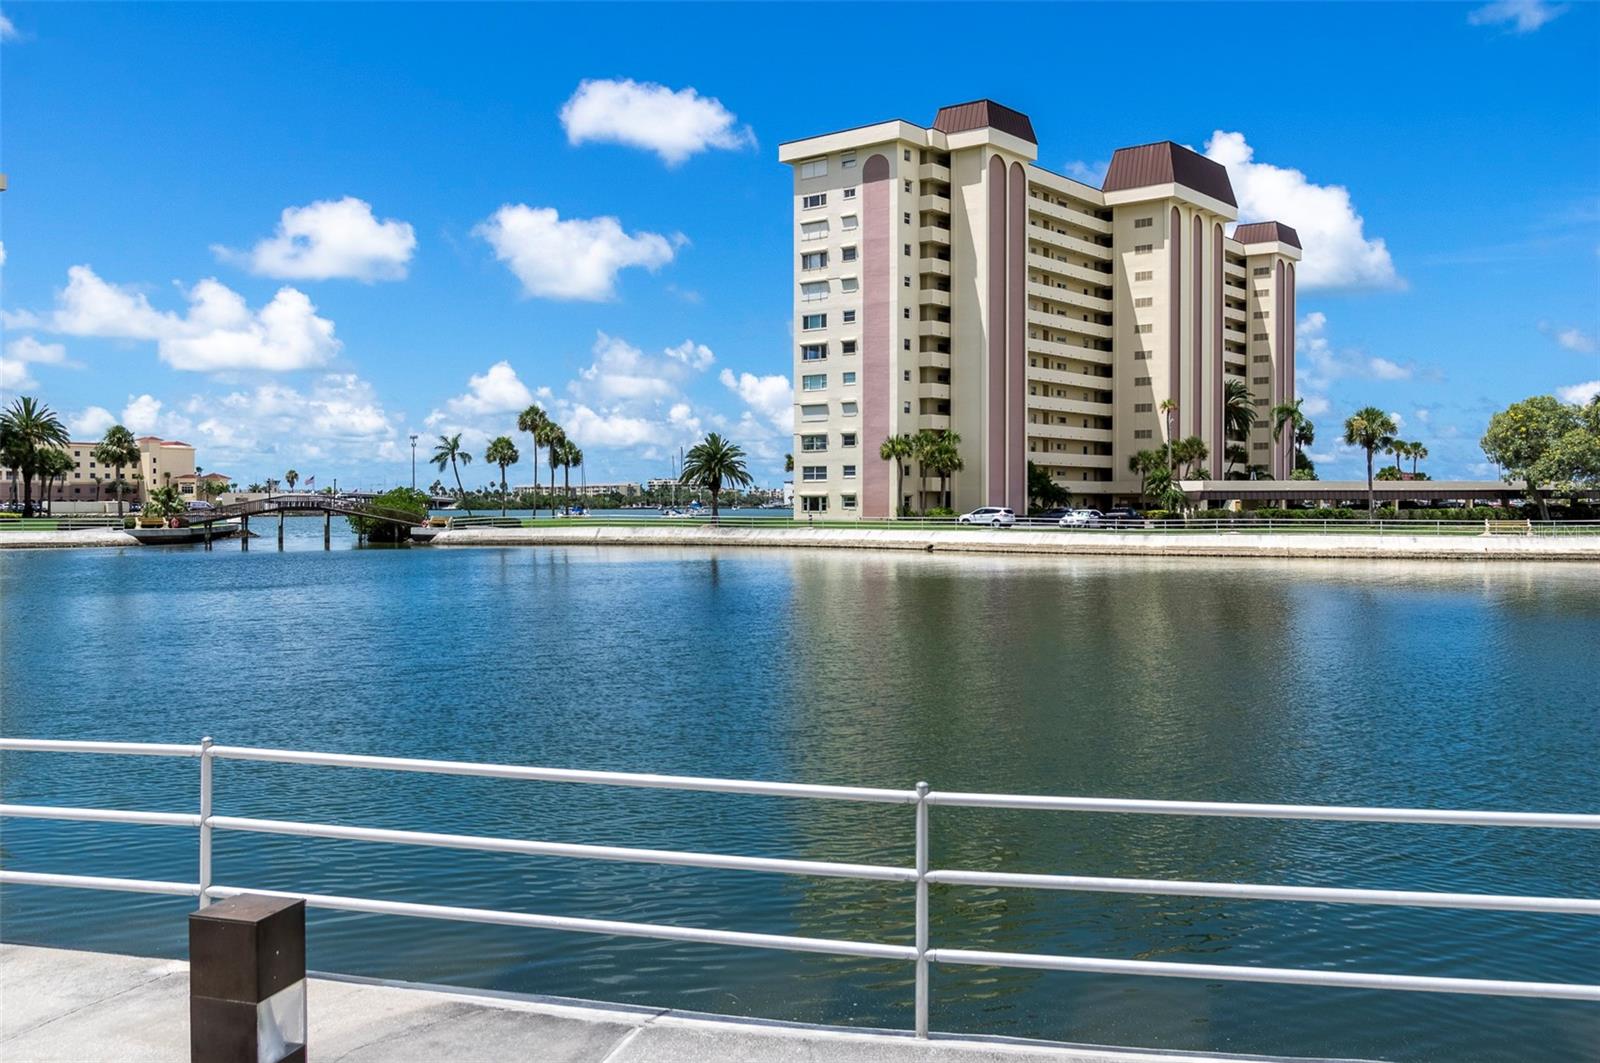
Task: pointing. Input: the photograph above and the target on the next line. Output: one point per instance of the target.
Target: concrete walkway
(57, 1004)
(36, 540)
(1053, 543)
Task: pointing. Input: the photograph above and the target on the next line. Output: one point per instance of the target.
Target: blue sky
(482, 209)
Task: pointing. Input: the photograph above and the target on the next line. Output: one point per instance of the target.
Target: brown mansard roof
(1265, 232)
(1168, 163)
(982, 114)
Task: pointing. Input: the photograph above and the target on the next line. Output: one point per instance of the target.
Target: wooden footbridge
(328, 505)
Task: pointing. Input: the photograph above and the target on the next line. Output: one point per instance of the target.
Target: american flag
(311, 481)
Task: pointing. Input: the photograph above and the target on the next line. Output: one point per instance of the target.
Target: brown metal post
(247, 981)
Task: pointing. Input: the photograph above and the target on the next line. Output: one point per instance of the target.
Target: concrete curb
(45, 540)
(1055, 543)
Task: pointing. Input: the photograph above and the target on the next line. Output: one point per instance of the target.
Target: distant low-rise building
(162, 463)
(626, 490)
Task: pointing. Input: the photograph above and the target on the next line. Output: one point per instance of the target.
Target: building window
(847, 347)
(813, 291)
(906, 218)
(1142, 433)
(814, 168)
(848, 409)
(1258, 359)
(814, 230)
(1145, 328)
(849, 285)
(905, 345)
(908, 154)
(1143, 249)
(812, 202)
(1144, 407)
(1259, 314)
(1144, 301)
(813, 473)
(814, 382)
(1141, 356)
(1262, 271)
(1141, 381)
(1144, 275)
(1259, 336)
(814, 412)
(1259, 380)
(1258, 446)
(907, 249)
(1260, 402)
(847, 254)
(813, 504)
(814, 260)
(849, 378)
(814, 444)
(848, 223)
(849, 472)
(813, 352)
(849, 193)
(1143, 223)
(847, 161)
(811, 322)
(847, 439)
(908, 187)
(849, 317)
(847, 501)
(906, 407)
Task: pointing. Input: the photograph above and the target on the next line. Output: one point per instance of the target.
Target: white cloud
(1338, 253)
(1090, 173)
(90, 422)
(19, 353)
(1579, 393)
(1518, 16)
(1571, 339)
(1315, 406)
(771, 397)
(8, 30)
(574, 259)
(1318, 365)
(694, 355)
(327, 239)
(622, 372)
(218, 332)
(142, 415)
(674, 125)
(592, 428)
(497, 390)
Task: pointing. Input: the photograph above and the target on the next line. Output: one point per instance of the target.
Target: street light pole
(413, 461)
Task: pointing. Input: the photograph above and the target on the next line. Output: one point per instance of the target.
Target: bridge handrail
(919, 875)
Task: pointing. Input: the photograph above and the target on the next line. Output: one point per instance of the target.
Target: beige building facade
(162, 463)
(946, 283)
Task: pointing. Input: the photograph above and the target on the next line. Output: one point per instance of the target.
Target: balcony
(940, 329)
(1054, 405)
(1068, 323)
(937, 204)
(1068, 241)
(936, 422)
(1067, 431)
(934, 391)
(1066, 377)
(1073, 296)
(933, 234)
(939, 267)
(1069, 460)
(1057, 349)
(933, 297)
(932, 171)
(1070, 215)
(1234, 334)
(933, 360)
(1046, 264)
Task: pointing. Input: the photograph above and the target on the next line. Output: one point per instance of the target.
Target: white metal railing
(920, 875)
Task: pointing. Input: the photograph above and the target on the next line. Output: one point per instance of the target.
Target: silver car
(1081, 518)
(993, 516)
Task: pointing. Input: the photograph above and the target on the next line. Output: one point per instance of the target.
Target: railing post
(922, 911)
(205, 820)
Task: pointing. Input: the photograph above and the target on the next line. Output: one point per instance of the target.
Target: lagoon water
(1447, 685)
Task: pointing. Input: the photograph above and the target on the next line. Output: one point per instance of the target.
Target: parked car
(1051, 515)
(993, 516)
(1122, 515)
(1082, 518)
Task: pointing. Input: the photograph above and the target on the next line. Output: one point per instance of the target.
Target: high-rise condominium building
(946, 283)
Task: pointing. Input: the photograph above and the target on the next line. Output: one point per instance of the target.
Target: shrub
(939, 511)
(382, 531)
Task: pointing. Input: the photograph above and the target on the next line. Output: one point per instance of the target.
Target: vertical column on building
(1219, 424)
(994, 427)
(1016, 312)
(1279, 359)
(878, 359)
(1288, 376)
(1170, 424)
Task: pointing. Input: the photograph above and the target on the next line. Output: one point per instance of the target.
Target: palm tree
(28, 428)
(923, 447)
(1372, 430)
(712, 462)
(570, 456)
(788, 463)
(1236, 455)
(1401, 450)
(946, 461)
(1169, 411)
(448, 451)
(898, 450)
(1188, 453)
(555, 442)
(1147, 463)
(55, 464)
(116, 449)
(1238, 417)
(502, 452)
(291, 478)
(531, 421)
(1418, 452)
(1302, 433)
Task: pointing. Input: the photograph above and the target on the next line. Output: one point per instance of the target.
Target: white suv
(1081, 518)
(993, 516)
